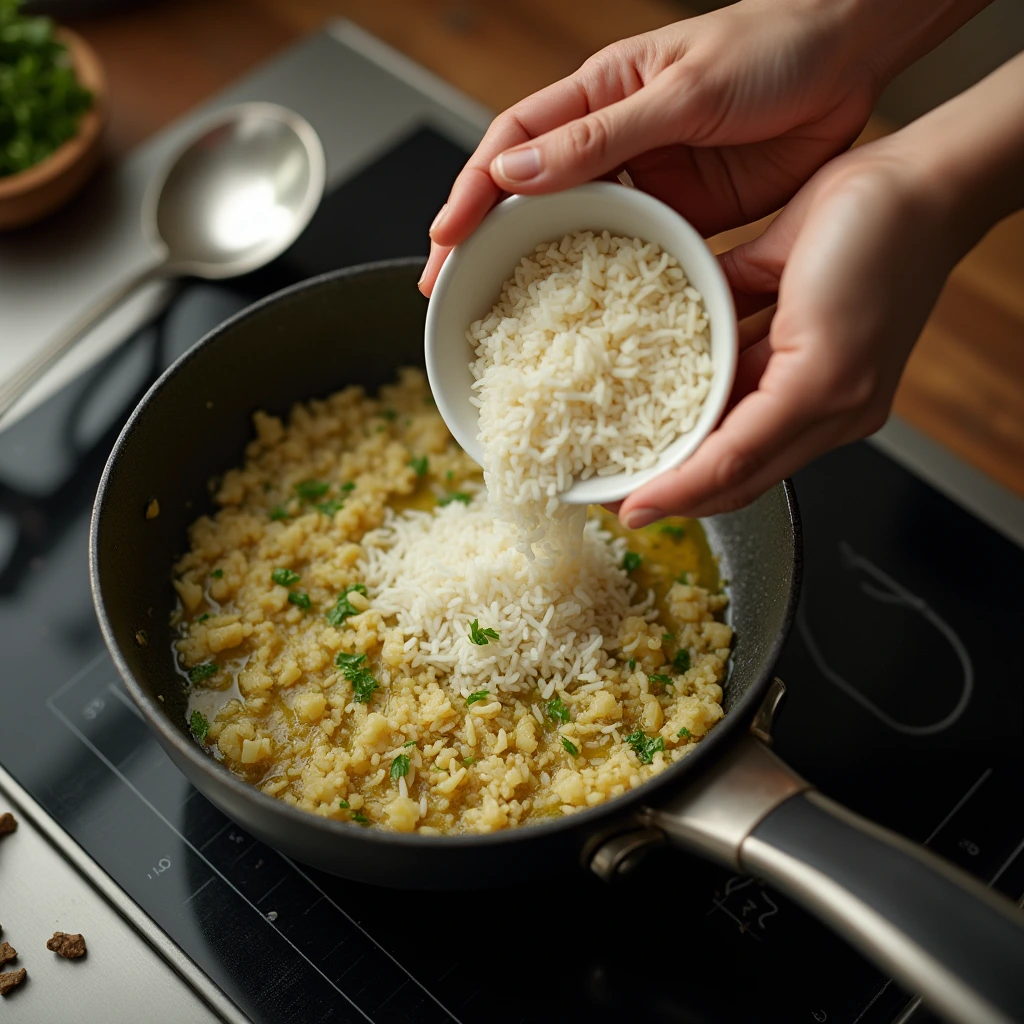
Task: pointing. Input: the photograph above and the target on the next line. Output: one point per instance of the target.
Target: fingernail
(643, 517)
(520, 164)
(437, 220)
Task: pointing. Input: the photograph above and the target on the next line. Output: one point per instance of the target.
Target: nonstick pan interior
(356, 326)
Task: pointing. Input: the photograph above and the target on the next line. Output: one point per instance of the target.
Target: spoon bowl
(239, 194)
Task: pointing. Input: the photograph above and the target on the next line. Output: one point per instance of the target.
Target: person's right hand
(723, 117)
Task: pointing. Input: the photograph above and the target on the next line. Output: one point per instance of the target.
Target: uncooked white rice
(595, 358)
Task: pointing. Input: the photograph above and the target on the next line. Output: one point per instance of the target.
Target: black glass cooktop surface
(904, 702)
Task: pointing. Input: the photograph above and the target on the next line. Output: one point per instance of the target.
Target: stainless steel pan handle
(933, 927)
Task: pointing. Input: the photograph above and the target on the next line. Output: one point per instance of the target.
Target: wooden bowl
(31, 194)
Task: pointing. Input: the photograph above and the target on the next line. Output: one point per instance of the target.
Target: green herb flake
(632, 664)
(450, 475)
(199, 725)
(455, 496)
(481, 637)
(300, 598)
(343, 608)
(479, 695)
(681, 662)
(557, 711)
(329, 508)
(203, 617)
(400, 767)
(467, 761)
(217, 574)
(421, 466)
(389, 414)
(286, 577)
(41, 99)
(644, 746)
(363, 685)
(200, 673)
(631, 561)
(667, 638)
(344, 805)
(349, 662)
(675, 532)
(684, 578)
(361, 818)
(310, 490)
(347, 487)
(657, 678)
(409, 743)
(570, 746)
(278, 512)
(684, 733)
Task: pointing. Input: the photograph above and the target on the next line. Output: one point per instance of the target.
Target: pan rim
(290, 817)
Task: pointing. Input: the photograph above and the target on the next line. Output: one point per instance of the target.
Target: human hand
(723, 117)
(857, 261)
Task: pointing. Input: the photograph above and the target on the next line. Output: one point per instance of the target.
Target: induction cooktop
(904, 702)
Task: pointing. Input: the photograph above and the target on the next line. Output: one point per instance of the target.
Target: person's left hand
(857, 261)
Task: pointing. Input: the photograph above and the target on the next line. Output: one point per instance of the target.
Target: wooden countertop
(964, 384)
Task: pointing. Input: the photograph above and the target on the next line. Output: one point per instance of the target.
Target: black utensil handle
(940, 932)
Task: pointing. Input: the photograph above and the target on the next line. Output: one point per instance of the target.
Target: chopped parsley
(479, 695)
(363, 681)
(632, 664)
(666, 638)
(344, 805)
(420, 465)
(660, 680)
(450, 475)
(570, 746)
(557, 711)
(278, 512)
(409, 743)
(481, 637)
(348, 662)
(631, 561)
(328, 508)
(361, 818)
(389, 414)
(400, 766)
(681, 662)
(684, 578)
(199, 726)
(644, 746)
(347, 487)
(467, 761)
(363, 685)
(300, 598)
(343, 608)
(286, 577)
(675, 532)
(203, 617)
(684, 733)
(198, 673)
(217, 574)
(310, 490)
(455, 496)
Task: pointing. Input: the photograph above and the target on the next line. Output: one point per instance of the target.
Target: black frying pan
(933, 927)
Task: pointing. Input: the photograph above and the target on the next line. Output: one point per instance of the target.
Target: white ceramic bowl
(470, 283)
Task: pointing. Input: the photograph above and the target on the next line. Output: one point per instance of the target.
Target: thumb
(596, 144)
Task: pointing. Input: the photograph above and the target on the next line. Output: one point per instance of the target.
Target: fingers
(761, 426)
(590, 146)
(438, 254)
(474, 191)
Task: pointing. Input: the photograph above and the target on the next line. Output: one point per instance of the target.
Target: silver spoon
(233, 199)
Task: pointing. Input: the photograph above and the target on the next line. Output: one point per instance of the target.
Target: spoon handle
(26, 375)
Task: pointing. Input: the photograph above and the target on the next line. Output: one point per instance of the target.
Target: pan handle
(933, 927)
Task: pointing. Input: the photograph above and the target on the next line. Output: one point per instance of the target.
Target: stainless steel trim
(189, 972)
(718, 811)
(619, 853)
(764, 720)
(968, 487)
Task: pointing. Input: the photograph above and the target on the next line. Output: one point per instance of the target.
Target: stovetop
(904, 703)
